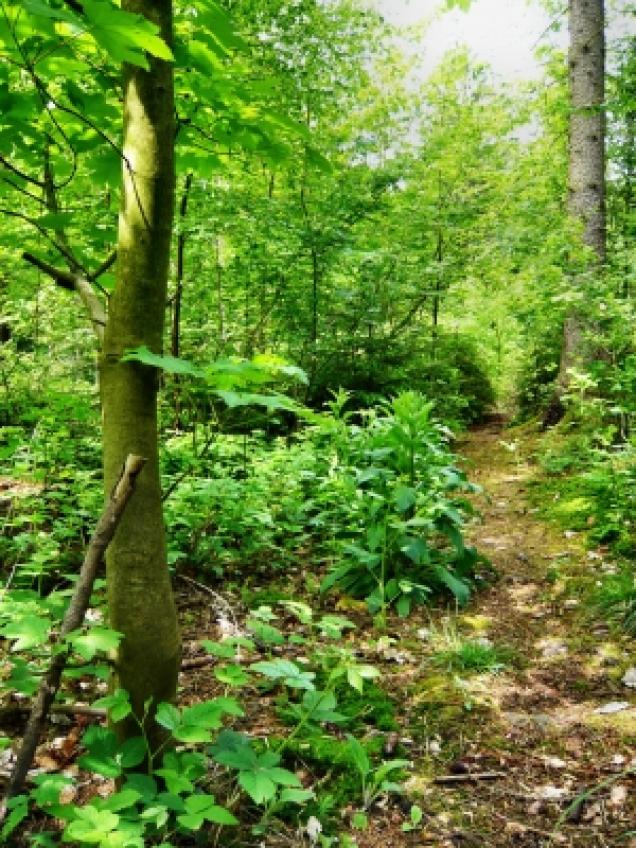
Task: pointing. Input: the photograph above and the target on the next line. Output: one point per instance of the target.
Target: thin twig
(467, 778)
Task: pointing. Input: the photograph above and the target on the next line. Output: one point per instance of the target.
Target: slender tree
(586, 176)
(140, 599)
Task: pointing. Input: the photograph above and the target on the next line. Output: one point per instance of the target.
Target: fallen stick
(11, 711)
(74, 617)
(464, 778)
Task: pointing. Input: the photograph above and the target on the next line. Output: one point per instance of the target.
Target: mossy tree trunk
(139, 592)
(586, 177)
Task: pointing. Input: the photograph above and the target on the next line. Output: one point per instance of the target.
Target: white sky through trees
(504, 33)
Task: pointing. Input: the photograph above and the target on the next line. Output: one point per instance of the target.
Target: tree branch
(79, 284)
(62, 278)
(106, 264)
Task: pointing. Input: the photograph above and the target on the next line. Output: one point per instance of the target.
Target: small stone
(612, 707)
(571, 603)
(629, 678)
(553, 648)
(555, 762)
(434, 747)
(550, 793)
(313, 828)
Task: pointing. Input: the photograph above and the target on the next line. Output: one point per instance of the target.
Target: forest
(317, 427)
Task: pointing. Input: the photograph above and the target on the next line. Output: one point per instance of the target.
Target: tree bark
(586, 176)
(140, 599)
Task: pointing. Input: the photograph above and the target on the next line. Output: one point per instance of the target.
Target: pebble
(629, 678)
(612, 707)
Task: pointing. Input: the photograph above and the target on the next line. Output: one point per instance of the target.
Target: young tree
(139, 593)
(64, 117)
(586, 177)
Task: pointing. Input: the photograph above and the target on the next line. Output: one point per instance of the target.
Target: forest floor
(532, 747)
(556, 728)
(534, 753)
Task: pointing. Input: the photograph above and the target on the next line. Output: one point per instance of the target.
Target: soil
(566, 770)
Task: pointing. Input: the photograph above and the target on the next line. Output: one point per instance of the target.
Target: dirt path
(549, 723)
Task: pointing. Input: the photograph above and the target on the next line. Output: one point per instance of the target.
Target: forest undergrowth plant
(403, 508)
(208, 775)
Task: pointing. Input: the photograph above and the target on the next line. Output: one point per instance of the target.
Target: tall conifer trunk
(586, 176)
(139, 592)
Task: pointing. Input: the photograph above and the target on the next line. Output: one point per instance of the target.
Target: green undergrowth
(588, 486)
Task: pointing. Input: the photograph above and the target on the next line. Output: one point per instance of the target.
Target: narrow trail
(557, 722)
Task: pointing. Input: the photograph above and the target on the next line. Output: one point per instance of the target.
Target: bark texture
(139, 592)
(586, 176)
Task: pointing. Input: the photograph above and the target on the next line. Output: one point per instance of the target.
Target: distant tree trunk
(140, 597)
(175, 336)
(586, 178)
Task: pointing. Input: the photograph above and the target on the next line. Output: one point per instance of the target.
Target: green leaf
(171, 364)
(458, 587)
(121, 800)
(204, 806)
(287, 671)
(133, 752)
(19, 806)
(168, 716)
(96, 639)
(55, 221)
(258, 785)
(296, 796)
(266, 633)
(91, 825)
(231, 675)
(176, 783)
(358, 755)
(123, 35)
(117, 704)
(405, 497)
(29, 631)
(48, 788)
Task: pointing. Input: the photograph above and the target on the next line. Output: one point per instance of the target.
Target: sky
(503, 33)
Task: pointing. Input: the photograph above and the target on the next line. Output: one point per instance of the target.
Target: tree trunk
(140, 597)
(586, 177)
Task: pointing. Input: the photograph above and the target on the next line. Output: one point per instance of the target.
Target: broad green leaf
(458, 587)
(96, 639)
(121, 800)
(168, 716)
(258, 786)
(405, 497)
(117, 704)
(231, 675)
(57, 221)
(358, 755)
(28, 631)
(125, 36)
(133, 752)
(287, 671)
(171, 364)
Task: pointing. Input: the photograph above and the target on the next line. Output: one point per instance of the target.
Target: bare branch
(81, 285)
(105, 266)
(63, 278)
